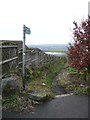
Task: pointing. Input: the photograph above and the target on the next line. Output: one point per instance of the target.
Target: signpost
(26, 30)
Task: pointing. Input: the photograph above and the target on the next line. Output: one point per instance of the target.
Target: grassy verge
(37, 79)
(74, 81)
(18, 102)
(40, 79)
(53, 70)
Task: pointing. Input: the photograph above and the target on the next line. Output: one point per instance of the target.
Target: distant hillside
(50, 47)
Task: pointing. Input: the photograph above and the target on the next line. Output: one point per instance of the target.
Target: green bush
(72, 70)
(88, 90)
(79, 91)
(70, 87)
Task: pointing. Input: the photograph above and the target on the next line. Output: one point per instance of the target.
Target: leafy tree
(79, 50)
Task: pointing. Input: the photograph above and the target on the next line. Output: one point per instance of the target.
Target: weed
(70, 87)
(9, 100)
(49, 78)
(79, 91)
(87, 90)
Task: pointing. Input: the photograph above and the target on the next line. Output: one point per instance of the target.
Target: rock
(43, 84)
(38, 96)
(81, 85)
(10, 81)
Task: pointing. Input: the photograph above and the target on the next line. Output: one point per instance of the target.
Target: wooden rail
(6, 61)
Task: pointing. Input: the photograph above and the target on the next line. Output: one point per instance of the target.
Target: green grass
(53, 70)
(72, 70)
(57, 51)
(79, 91)
(49, 78)
(9, 100)
(85, 90)
(70, 87)
(73, 80)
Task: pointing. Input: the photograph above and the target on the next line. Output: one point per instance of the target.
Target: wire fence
(12, 57)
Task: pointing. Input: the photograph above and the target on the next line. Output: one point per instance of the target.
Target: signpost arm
(23, 57)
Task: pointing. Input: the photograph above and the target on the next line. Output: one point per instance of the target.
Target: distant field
(51, 47)
(61, 51)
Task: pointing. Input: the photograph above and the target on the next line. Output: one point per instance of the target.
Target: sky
(50, 21)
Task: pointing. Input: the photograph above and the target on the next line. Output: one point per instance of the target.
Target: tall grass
(54, 69)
